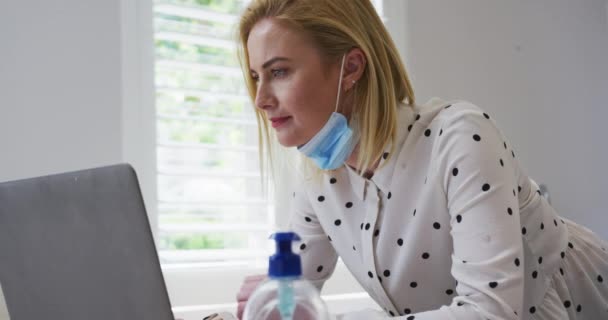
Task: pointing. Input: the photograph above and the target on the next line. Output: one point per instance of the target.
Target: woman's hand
(249, 285)
(220, 316)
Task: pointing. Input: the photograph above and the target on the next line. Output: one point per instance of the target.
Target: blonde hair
(335, 27)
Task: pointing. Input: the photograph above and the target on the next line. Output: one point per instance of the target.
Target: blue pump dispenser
(284, 263)
(285, 266)
(285, 293)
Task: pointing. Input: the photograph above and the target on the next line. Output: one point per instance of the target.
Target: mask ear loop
(340, 83)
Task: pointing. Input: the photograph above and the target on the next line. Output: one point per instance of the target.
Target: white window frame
(195, 289)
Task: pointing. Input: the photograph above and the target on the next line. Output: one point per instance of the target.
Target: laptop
(77, 246)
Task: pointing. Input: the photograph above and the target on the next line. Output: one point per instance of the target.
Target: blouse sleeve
(317, 254)
(480, 183)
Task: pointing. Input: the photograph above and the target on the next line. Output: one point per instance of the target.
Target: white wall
(60, 86)
(541, 69)
(74, 77)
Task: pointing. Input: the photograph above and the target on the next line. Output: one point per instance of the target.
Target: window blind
(211, 206)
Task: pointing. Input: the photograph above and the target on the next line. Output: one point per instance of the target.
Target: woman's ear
(354, 66)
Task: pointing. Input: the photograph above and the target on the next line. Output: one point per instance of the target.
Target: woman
(427, 205)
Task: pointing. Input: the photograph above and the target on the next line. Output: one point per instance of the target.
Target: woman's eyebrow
(271, 61)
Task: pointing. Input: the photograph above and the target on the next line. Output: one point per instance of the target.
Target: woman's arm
(318, 255)
(480, 183)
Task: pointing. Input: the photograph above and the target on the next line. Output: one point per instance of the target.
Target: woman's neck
(352, 162)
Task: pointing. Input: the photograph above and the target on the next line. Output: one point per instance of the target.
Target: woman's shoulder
(445, 111)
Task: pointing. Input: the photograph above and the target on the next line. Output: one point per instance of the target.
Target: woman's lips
(279, 121)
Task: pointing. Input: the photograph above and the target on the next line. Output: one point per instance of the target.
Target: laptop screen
(78, 246)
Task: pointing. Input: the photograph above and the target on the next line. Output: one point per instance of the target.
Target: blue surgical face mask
(334, 143)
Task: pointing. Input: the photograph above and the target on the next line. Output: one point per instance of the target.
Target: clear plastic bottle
(285, 295)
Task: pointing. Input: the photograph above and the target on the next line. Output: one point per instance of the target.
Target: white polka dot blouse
(450, 227)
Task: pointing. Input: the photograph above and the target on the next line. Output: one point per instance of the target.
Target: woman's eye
(278, 72)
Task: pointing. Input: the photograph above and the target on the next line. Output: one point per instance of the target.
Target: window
(199, 167)
(211, 206)
(210, 202)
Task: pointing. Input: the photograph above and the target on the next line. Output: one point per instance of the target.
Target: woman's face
(295, 89)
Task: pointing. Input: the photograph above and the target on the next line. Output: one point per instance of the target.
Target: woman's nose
(264, 99)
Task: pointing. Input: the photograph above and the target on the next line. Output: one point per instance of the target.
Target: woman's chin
(288, 141)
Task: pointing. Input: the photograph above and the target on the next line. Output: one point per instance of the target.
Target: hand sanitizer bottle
(285, 295)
